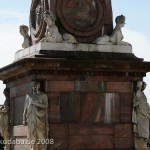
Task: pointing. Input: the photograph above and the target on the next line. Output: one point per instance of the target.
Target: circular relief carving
(81, 17)
(37, 24)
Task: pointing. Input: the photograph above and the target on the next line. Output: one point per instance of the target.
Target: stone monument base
(90, 93)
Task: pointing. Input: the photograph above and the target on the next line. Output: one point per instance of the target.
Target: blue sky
(136, 31)
(136, 12)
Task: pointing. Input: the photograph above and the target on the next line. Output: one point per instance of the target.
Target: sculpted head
(120, 20)
(139, 84)
(24, 30)
(49, 17)
(35, 86)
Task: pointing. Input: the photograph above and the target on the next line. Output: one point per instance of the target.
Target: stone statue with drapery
(35, 117)
(140, 117)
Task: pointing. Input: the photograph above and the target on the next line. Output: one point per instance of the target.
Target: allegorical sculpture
(116, 36)
(85, 20)
(141, 116)
(4, 123)
(52, 33)
(35, 116)
(24, 32)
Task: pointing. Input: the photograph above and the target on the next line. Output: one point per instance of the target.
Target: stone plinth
(90, 100)
(70, 47)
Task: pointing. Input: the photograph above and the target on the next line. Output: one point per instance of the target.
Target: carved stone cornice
(75, 67)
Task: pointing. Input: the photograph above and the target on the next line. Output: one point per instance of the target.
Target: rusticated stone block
(54, 107)
(91, 142)
(90, 130)
(122, 143)
(126, 103)
(123, 130)
(58, 131)
(18, 110)
(90, 86)
(123, 87)
(60, 86)
(61, 78)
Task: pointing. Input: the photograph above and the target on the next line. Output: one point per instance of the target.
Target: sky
(136, 31)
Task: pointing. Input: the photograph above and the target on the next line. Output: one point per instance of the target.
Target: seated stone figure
(69, 38)
(24, 32)
(52, 33)
(116, 36)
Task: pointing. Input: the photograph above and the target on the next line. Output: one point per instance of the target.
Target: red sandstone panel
(126, 115)
(58, 131)
(65, 109)
(124, 87)
(60, 86)
(122, 143)
(91, 142)
(54, 107)
(123, 131)
(18, 105)
(117, 108)
(126, 103)
(70, 107)
(92, 107)
(111, 78)
(77, 129)
(20, 90)
(84, 107)
(100, 107)
(75, 108)
(90, 86)
(56, 77)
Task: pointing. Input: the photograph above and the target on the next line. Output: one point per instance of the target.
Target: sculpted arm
(44, 103)
(136, 103)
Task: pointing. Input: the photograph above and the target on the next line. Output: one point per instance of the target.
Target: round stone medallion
(81, 17)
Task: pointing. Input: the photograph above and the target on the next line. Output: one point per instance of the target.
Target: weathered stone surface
(20, 131)
(123, 143)
(75, 129)
(69, 47)
(86, 20)
(123, 130)
(91, 142)
(89, 86)
(60, 86)
(123, 87)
